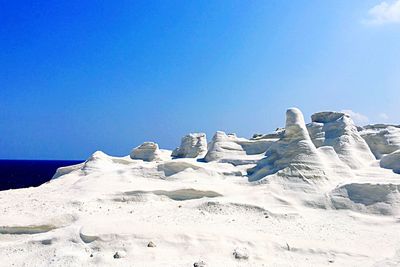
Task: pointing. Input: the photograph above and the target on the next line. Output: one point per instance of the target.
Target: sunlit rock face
(270, 136)
(337, 129)
(255, 146)
(293, 155)
(192, 146)
(148, 151)
(97, 162)
(380, 198)
(223, 146)
(228, 148)
(391, 161)
(381, 138)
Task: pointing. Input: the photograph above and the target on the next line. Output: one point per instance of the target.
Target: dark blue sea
(26, 173)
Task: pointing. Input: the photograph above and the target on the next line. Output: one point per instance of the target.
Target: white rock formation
(67, 169)
(223, 146)
(172, 167)
(148, 151)
(337, 129)
(294, 154)
(192, 146)
(255, 146)
(107, 210)
(391, 161)
(98, 161)
(238, 151)
(381, 138)
(275, 135)
(367, 197)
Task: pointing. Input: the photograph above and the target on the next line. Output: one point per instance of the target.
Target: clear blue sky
(80, 76)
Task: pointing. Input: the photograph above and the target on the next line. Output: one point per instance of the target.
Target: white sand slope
(290, 200)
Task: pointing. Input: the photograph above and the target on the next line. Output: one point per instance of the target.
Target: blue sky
(81, 76)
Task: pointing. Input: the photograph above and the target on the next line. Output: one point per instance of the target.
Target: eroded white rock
(67, 170)
(192, 146)
(172, 167)
(98, 161)
(238, 151)
(381, 138)
(368, 198)
(337, 129)
(223, 146)
(148, 151)
(391, 161)
(294, 154)
(254, 147)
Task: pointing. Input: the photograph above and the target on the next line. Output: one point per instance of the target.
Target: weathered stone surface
(148, 151)
(381, 138)
(337, 129)
(192, 146)
(391, 161)
(294, 153)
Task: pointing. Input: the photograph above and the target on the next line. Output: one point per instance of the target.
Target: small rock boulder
(119, 254)
(199, 264)
(148, 151)
(151, 244)
(241, 254)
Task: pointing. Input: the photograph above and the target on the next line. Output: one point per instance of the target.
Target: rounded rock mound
(391, 161)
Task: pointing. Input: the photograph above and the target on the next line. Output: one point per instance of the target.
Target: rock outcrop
(270, 136)
(192, 146)
(67, 170)
(148, 151)
(223, 146)
(256, 146)
(238, 151)
(391, 161)
(175, 166)
(98, 161)
(368, 198)
(381, 138)
(337, 129)
(294, 154)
